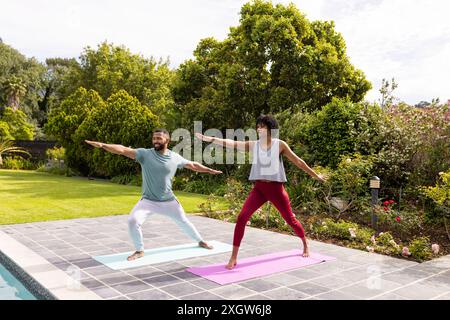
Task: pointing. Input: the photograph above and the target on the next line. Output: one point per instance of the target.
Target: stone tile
(164, 280)
(232, 291)
(419, 291)
(131, 287)
(257, 297)
(144, 273)
(336, 295)
(389, 296)
(332, 282)
(172, 267)
(370, 288)
(116, 278)
(205, 295)
(205, 284)
(106, 292)
(87, 263)
(181, 289)
(304, 274)
(185, 275)
(444, 297)
(259, 285)
(91, 283)
(152, 294)
(310, 288)
(405, 276)
(100, 270)
(283, 279)
(285, 294)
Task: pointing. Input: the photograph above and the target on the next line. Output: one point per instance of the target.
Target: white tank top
(267, 164)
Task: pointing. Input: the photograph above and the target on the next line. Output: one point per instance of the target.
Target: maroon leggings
(261, 193)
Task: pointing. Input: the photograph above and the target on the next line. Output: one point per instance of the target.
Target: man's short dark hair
(267, 120)
(162, 130)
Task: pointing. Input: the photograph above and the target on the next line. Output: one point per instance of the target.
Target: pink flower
(226, 219)
(352, 232)
(386, 203)
(397, 219)
(373, 239)
(370, 249)
(405, 252)
(435, 248)
(248, 223)
(386, 208)
(391, 201)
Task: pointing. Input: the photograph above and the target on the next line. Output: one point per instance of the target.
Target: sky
(408, 40)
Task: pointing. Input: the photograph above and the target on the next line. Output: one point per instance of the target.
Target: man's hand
(215, 171)
(203, 137)
(94, 143)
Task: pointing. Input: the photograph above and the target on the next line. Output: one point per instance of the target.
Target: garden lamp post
(374, 187)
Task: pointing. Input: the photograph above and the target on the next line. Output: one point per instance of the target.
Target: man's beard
(158, 147)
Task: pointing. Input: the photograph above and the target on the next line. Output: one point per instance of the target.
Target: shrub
(420, 248)
(344, 230)
(122, 120)
(128, 179)
(14, 125)
(386, 244)
(18, 163)
(440, 194)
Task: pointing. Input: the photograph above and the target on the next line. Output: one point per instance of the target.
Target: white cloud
(405, 39)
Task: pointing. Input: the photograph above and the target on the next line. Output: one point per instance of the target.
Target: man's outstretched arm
(114, 148)
(198, 167)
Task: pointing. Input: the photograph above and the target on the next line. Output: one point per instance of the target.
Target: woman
(267, 173)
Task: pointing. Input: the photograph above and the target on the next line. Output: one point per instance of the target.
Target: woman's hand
(322, 177)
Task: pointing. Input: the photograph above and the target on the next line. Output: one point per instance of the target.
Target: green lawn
(28, 196)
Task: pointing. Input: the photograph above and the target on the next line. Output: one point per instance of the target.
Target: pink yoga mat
(258, 266)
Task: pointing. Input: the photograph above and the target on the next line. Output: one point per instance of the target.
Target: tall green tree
(274, 60)
(22, 80)
(110, 68)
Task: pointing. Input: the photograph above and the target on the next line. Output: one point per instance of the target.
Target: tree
(65, 119)
(22, 80)
(121, 120)
(386, 90)
(110, 68)
(274, 60)
(15, 90)
(14, 125)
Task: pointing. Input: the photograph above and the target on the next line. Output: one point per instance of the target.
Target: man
(159, 165)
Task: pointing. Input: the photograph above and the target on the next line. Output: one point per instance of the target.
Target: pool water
(11, 288)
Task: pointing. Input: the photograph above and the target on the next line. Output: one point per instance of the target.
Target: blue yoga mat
(119, 260)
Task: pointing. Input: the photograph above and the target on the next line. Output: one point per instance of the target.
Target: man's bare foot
(136, 255)
(231, 264)
(203, 244)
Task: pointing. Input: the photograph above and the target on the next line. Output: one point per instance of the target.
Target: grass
(29, 196)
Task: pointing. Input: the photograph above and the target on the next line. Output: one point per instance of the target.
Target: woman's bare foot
(305, 252)
(136, 255)
(231, 264)
(305, 248)
(203, 244)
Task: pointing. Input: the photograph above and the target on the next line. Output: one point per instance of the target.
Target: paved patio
(355, 274)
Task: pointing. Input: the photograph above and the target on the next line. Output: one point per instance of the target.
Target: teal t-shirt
(157, 172)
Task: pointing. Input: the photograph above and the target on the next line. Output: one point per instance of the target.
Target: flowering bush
(344, 230)
(391, 218)
(420, 248)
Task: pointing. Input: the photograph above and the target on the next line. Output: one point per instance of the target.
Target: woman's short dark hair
(267, 120)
